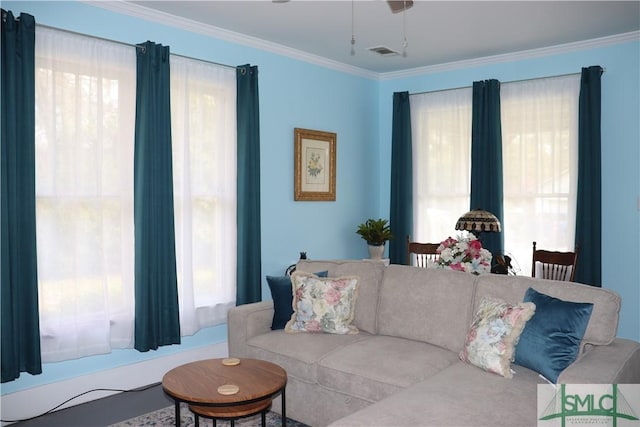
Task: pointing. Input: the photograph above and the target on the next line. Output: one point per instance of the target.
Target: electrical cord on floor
(80, 395)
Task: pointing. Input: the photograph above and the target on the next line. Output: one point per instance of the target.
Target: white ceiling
(438, 32)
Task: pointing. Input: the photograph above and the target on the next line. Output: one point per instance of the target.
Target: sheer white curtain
(203, 121)
(441, 138)
(85, 112)
(540, 152)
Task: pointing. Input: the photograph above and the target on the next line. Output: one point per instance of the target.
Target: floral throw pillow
(323, 304)
(494, 334)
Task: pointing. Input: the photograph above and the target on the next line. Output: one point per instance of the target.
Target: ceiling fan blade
(399, 5)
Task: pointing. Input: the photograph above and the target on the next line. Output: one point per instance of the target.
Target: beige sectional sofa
(403, 367)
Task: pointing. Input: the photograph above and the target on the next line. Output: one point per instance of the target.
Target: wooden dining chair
(420, 254)
(554, 265)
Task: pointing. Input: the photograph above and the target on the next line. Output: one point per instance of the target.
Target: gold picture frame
(315, 165)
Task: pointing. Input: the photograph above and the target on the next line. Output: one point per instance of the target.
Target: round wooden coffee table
(207, 386)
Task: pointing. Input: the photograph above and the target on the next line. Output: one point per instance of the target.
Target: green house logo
(589, 405)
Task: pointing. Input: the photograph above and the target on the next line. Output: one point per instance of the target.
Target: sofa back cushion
(369, 273)
(603, 323)
(426, 304)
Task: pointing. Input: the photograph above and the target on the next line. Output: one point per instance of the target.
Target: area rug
(166, 417)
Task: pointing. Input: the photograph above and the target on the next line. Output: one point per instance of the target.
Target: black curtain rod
(511, 81)
(130, 45)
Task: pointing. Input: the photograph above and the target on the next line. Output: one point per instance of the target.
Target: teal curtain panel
(249, 270)
(486, 159)
(19, 294)
(157, 320)
(589, 199)
(401, 198)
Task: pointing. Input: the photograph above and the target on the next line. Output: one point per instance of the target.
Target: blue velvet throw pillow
(551, 339)
(282, 295)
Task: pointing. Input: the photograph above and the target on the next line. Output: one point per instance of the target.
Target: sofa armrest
(246, 321)
(616, 363)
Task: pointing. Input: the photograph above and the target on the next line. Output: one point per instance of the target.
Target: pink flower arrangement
(465, 253)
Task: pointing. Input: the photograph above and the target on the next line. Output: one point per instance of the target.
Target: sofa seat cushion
(460, 395)
(374, 368)
(298, 354)
(426, 304)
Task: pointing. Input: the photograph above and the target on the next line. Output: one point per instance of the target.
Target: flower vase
(376, 251)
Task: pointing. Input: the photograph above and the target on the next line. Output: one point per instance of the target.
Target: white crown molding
(123, 7)
(515, 56)
(137, 11)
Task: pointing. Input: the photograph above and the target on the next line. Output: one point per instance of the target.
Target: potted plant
(376, 232)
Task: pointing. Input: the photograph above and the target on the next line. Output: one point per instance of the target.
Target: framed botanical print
(315, 165)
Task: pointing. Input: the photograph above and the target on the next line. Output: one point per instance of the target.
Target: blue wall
(294, 93)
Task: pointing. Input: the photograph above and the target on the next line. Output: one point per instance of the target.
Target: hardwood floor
(105, 411)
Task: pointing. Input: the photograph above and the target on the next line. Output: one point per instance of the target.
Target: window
(85, 121)
(540, 163)
(540, 154)
(203, 122)
(441, 132)
(85, 111)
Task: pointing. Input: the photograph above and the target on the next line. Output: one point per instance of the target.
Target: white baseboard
(37, 400)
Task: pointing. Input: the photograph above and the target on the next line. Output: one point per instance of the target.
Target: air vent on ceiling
(384, 51)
